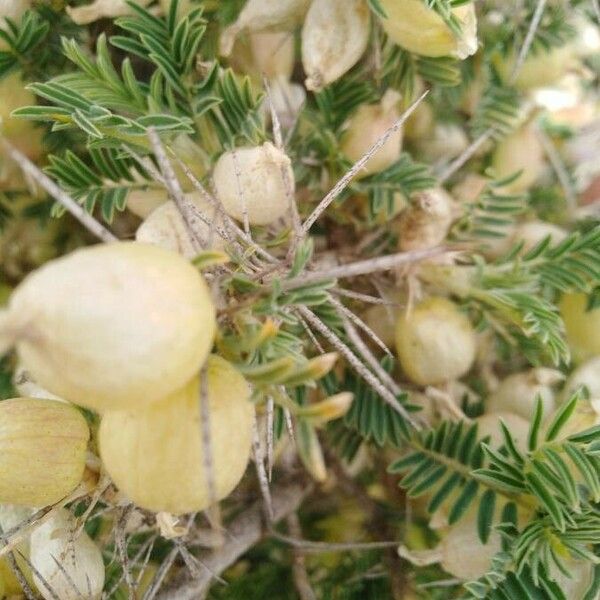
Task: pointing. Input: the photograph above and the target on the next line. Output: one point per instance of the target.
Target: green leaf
(561, 417)
(485, 515)
(463, 502)
(536, 423)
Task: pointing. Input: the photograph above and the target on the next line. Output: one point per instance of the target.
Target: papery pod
(518, 392)
(489, 425)
(426, 222)
(288, 99)
(334, 37)
(42, 450)
(445, 142)
(539, 69)
(166, 227)
(111, 326)
(68, 564)
(101, 9)
(419, 29)
(143, 203)
(585, 376)
(582, 326)
(366, 126)
(435, 342)
(254, 179)
(273, 53)
(521, 151)
(262, 15)
(156, 456)
(20, 132)
(11, 517)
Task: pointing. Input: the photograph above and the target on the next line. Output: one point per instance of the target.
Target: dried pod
(111, 326)
(262, 15)
(586, 376)
(444, 142)
(489, 425)
(435, 342)
(426, 222)
(518, 393)
(156, 456)
(254, 179)
(42, 450)
(101, 9)
(273, 53)
(67, 563)
(530, 234)
(143, 203)
(366, 126)
(28, 388)
(165, 227)
(582, 326)
(521, 151)
(334, 37)
(288, 98)
(419, 29)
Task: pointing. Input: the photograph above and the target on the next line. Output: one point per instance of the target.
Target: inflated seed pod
(419, 29)
(273, 53)
(42, 450)
(20, 132)
(334, 37)
(261, 15)
(582, 326)
(533, 232)
(539, 69)
(156, 456)
(518, 393)
(101, 9)
(143, 203)
(111, 326)
(366, 126)
(489, 424)
(66, 561)
(287, 98)
(435, 342)
(426, 222)
(255, 179)
(444, 142)
(520, 151)
(11, 517)
(165, 227)
(586, 376)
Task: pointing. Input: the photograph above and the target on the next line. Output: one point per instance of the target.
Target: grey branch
(243, 533)
(59, 195)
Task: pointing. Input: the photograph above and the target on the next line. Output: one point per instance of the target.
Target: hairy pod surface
(419, 29)
(71, 565)
(156, 456)
(254, 179)
(112, 326)
(42, 450)
(334, 37)
(435, 342)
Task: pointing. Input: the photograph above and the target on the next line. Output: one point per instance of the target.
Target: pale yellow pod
(426, 222)
(366, 126)
(42, 450)
(112, 326)
(273, 53)
(334, 37)
(80, 569)
(489, 424)
(156, 456)
(587, 376)
(518, 393)
(419, 29)
(254, 179)
(20, 132)
(435, 342)
(521, 151)
(166, 228)
(144, 202)
(582, 326)
(101, 9)
(262, 15)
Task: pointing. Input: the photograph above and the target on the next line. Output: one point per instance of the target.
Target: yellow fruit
(520, 151)
(435, 342)
(42, 450)
(156, 456)
(421, 30)
(582, 326)
(111, 326)
(334, 37)
(366, 126)
(255, 179)
(72, 566)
